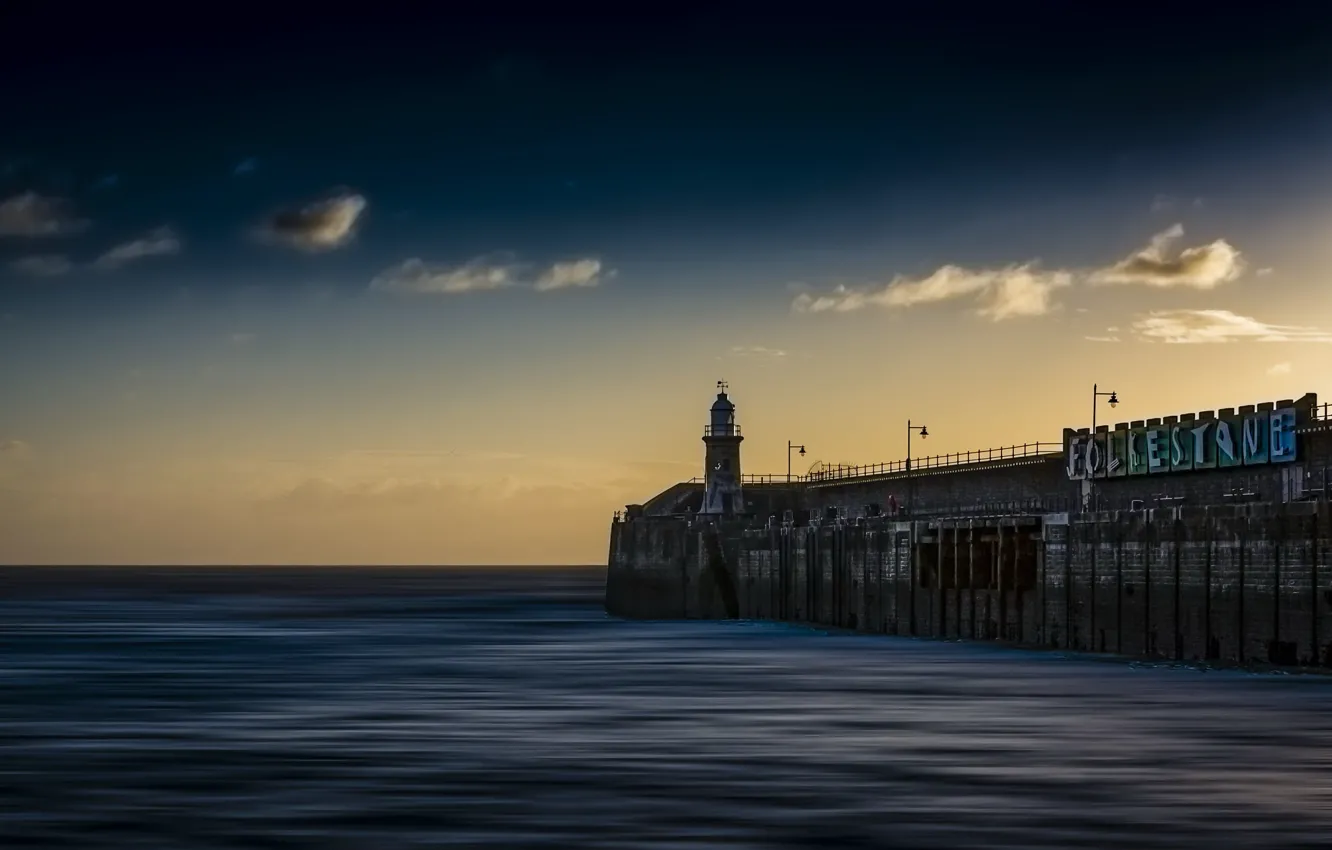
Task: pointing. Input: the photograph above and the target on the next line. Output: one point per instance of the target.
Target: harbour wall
(1245, 584)
(1201, 536)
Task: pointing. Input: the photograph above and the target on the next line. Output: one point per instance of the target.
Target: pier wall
(1246, 584)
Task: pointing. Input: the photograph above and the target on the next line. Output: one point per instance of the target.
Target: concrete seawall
(1247, 584)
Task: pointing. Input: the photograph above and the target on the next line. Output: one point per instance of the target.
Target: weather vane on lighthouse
(723, 386)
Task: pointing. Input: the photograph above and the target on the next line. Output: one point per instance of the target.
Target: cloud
(1010, 292)
(42, 265)
(319, 226)
(159, 242)
(496, 271)
(578, 273)
(417, 277)
(756, 351)
(1264, 272)
(32, 215)
(1200, 267)
(1279, 369)
(1210, 326)
(245, 166)
(242, 338)
(1161, 203)
(1024, 290)
(1101, 338)
(14, 456)
(109, 181)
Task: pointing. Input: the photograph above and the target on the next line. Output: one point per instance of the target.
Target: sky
(434, 288)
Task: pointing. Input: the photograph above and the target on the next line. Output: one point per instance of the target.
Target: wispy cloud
(160, 242)
(33, 215)
(245, 166)
(417, 277)
(496, 271)
(1025, 290)
(578, 273)
(1213, 326)
(14, 455)
(756, 351)
(1162, 203)
(1265, 272)
(242, 338)
(42, 265)
(1199, 267)
(1101, 338)
(107, 181)
(1010, 292)
(1278, 369)
(319, 226)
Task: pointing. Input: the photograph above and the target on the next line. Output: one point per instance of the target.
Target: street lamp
(790, 446)
(911, 477)
(1113, 401)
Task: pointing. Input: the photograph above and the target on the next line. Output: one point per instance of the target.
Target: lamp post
(790, 446)
(1113, 401)
(911, 476)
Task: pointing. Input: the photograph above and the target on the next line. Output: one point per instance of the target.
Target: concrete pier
(1243, 585)
(1200, 536)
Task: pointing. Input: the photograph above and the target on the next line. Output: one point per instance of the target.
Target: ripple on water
(417, 708)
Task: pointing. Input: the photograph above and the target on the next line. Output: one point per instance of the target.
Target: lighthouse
(722, 438)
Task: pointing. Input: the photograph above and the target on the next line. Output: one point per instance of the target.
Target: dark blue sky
(665, 140)
(550, 120)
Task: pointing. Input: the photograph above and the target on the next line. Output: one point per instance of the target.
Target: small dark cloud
(32, 215)
(160, 242)
(1199, 267)
(245, 166)
(15, 448)
(108, 181)
(319, 226)
(11, 167)
(42, 265)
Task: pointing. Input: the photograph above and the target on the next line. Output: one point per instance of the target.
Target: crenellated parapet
(1250, 436)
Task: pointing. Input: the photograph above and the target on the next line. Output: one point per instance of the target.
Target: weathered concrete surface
(1238, 584)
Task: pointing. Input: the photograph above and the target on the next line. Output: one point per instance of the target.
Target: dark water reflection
(369, 709)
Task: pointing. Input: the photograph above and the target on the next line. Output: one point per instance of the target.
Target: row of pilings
(1248, 585)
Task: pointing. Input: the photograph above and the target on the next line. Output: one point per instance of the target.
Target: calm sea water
(412, 708)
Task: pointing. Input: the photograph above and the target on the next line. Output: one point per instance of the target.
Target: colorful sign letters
(1249, 440)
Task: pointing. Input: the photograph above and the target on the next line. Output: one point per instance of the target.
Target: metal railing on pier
(778, 478)
(839, 472)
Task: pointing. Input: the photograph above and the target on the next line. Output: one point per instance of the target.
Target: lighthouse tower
(722, 459)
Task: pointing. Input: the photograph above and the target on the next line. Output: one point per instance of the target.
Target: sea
(247, 708)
